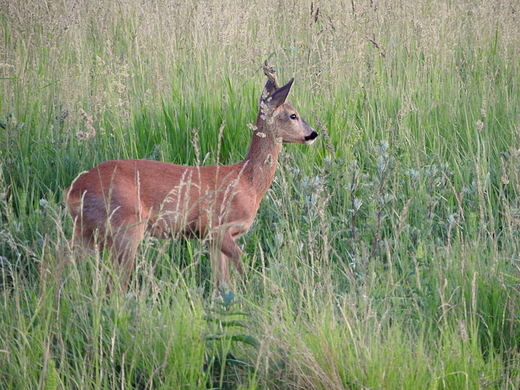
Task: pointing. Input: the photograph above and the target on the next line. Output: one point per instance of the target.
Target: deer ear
(275, 97)
(280, 95)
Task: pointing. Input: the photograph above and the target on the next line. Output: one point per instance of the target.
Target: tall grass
(385, 256)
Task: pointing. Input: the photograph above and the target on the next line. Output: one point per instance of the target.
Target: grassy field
(385, 256)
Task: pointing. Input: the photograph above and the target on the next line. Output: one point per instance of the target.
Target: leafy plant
(226, 322)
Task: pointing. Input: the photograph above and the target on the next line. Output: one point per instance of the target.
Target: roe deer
(115, 203)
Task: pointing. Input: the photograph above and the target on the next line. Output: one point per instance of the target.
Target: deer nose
(312, 136)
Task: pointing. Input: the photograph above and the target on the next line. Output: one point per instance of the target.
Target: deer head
(282, 121)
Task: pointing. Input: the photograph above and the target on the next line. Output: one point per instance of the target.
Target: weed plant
(385, 256)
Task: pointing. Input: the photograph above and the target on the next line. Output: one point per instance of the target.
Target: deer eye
(293, 116)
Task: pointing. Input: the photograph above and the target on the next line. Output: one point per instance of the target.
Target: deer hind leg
(92, 233)
(125, 239)
(86, 240)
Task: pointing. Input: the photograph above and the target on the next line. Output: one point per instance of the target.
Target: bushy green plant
(227, 324)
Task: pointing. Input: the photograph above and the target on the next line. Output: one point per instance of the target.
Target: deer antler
(270, 72)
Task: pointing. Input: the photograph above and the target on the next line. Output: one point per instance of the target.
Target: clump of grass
(385, 257)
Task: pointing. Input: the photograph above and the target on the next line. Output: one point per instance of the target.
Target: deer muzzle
(309, 139)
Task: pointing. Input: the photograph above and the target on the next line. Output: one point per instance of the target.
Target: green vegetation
(386, 256)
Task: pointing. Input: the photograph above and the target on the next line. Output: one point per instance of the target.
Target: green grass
(384, 256)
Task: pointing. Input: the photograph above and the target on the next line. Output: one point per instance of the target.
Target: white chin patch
(309, 142)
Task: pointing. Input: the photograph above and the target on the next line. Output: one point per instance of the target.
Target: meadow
(385, 256)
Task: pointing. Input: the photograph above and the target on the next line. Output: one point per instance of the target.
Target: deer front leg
(223, 249)
(231, 250)
(221, 271)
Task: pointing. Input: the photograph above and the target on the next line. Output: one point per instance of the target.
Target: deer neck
(262, 157)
